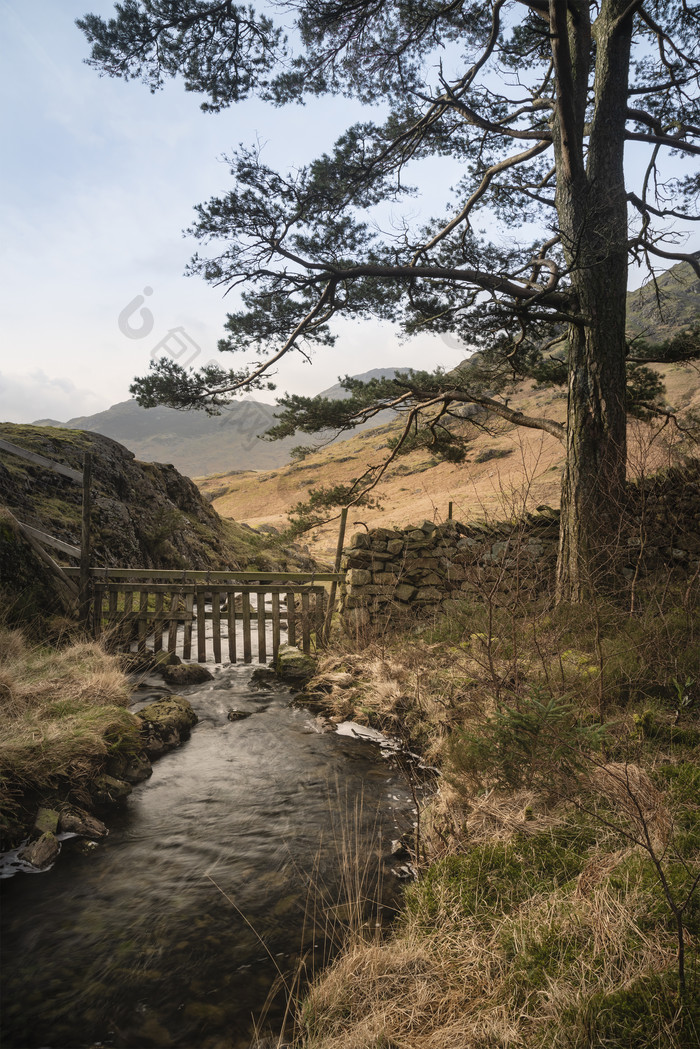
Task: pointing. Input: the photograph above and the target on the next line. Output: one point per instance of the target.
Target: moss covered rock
(294, 667)
(186, 674)
(165, 724)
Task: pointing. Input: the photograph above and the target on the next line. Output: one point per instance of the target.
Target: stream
(212, 882)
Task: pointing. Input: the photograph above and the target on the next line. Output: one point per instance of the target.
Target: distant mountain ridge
(195, 443)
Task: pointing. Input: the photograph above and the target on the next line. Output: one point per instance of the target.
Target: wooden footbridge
(230, 616)
(234, 616)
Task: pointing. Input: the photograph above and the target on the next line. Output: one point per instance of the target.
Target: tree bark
(592, 208)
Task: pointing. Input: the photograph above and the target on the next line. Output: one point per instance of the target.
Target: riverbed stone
(165, 724)
(294, 667)
(238, 715)
(186, 674)
(263, 677)
(75, 821)
(134, 768)
(42, 852)
(46, 820)
(166, 659)
(107, 790)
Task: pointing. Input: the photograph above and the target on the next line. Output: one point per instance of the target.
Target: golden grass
(61, 710)
(463, 986)
(580, 962)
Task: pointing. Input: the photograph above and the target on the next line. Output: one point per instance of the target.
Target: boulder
(263, 677)
(108, 790)
(46, 821)
(42, 852)
(238, 715)
(186, 674)
(165, 724)
(74, 821)
(294, 667)
(134, 768)
(165, 659)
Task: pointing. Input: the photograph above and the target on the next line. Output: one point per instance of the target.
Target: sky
(97, 182)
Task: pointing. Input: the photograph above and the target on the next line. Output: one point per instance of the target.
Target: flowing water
(171, 932)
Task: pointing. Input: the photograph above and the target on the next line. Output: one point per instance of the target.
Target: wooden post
(84, 599)
(325, 633)
(449, 511)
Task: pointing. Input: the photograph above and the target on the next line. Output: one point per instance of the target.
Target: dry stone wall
(399, 574)
(395, 574)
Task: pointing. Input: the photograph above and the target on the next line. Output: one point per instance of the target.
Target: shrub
(539, 741)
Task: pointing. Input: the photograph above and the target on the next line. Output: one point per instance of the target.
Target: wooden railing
(198, 614)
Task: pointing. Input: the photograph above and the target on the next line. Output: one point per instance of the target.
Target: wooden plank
(291, 619)
(187, 640)
(262, 640)
(166, 618)
(231, 626)
(48, 560)
(319, 615)
(216, 622)
(247, 657)
(40, 460)
(193, 588)
(324, 633)
(143, 607)
(172, 629)
(275, 626)
(112, 606)
(176, 575)
(201, 629)
(305, 623)
(52, 541)
(158, 624)
(97, 598)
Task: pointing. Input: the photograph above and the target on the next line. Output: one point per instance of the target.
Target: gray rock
(74, 821)
(186, 674)
(294, 667)
(42, 852)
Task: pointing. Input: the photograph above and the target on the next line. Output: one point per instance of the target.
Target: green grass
(62, 713)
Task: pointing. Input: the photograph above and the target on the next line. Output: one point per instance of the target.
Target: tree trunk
(592, 208)
(594, 477)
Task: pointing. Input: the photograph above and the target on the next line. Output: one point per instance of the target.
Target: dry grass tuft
(629, 788)
(61, 711)
(464, 986)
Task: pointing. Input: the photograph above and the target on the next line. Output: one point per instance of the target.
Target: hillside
(506, 469)
(663, 307)
(510, 468)
(196, 443)
(193, 442)
(144, 514)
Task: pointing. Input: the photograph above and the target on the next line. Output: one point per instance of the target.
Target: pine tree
(539, 102)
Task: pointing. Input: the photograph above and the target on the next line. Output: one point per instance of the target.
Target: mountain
(662, 308)
(198, 444)
(195, 443)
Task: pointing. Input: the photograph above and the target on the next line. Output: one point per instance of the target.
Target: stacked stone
(664, 520)
(394, 574)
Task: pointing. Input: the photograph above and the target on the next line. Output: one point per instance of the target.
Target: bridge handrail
(179, 575)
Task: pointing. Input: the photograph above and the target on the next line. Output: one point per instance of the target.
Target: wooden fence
(224, 616)
(170, 609)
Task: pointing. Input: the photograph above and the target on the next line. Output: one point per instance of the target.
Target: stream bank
(170, 931)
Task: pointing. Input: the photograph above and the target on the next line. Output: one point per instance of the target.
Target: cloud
(25, 398)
